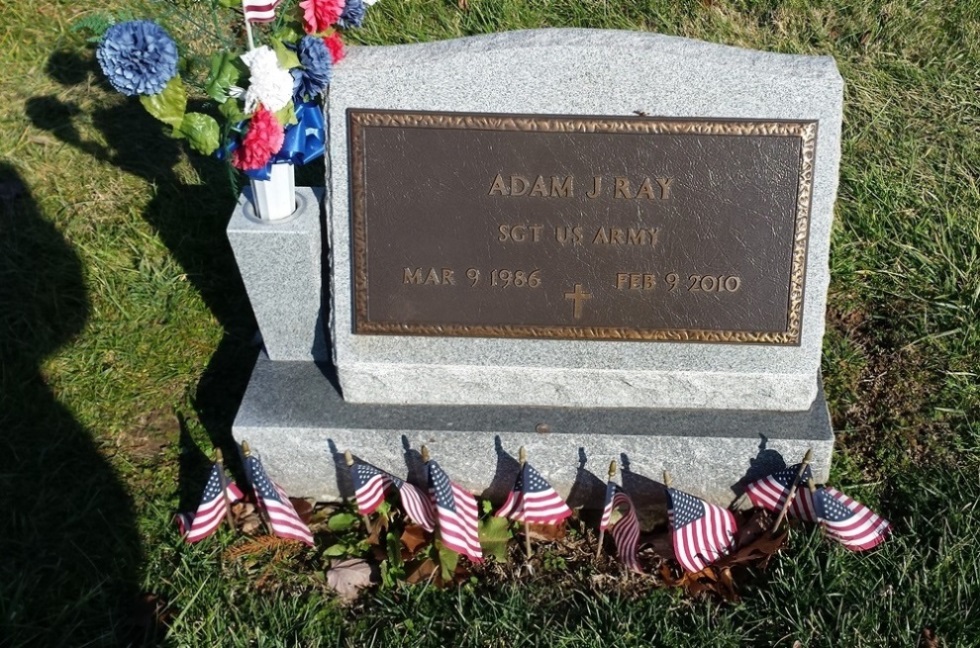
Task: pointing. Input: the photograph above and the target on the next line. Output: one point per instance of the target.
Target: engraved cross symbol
(577, 297)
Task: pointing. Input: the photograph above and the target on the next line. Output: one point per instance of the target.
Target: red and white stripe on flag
(284, 519)
(851, 523)
(417, 506)
(260, 10)
(458, 529)
(212, 509)
(702, 532)
(626, 532)
(770, 494)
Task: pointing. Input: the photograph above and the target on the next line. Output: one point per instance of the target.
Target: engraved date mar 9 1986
(474, 277)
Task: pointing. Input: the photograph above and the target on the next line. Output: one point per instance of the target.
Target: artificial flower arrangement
(265, 96)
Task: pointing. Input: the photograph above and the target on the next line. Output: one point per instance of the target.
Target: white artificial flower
(268, 83)
(368, 3)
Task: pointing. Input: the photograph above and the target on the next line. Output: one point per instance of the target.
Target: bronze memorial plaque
(603, 228)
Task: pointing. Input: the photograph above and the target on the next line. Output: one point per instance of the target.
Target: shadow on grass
(69, 550)
(190, 220)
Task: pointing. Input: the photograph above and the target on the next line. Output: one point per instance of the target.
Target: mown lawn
(126, 340)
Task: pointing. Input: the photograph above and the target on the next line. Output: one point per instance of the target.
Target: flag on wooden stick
(702, 532)
(371, 484)
(851, 523)
(771, 492)
(212, 509)
(626, 530)
(456, 514)
(274, 502)
(533, 500)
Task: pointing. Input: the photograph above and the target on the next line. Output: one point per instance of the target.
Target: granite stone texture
(294, 418)
(584, 72)
(280, 264)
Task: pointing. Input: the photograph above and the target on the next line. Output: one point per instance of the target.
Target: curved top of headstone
(629, 49)
(589, 71)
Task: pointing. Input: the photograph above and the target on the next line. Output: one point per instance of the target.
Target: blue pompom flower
(314, 76)
(353, 15)
(138, 57)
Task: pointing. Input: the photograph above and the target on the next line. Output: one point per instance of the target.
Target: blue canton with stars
(786, 476)
(687, 508)
(213, 488)
(440, 484)
(260, 481)
(830, 509)
(363, 474)
(535, 482)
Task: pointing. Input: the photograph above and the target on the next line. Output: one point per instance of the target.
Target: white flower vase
(275, 198)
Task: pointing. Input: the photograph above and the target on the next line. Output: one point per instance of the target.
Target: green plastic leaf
(224, 74)
(201, 131)
(335, 550)
(287, 115)
(287, 57)
(169, 105)
(230, 4)
(97, 23)
(340, 522)
(231, 111)
(495, 534)
(290, 32)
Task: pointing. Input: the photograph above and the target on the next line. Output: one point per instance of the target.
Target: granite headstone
(622, 255)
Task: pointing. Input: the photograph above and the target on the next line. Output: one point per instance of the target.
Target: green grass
(126, 341)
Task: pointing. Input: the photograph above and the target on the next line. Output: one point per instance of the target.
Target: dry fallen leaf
(303, 509)
(546, 532)
(152, 615)
(246, 517)
(348, 577)
(376, 529)
(928, 639)
(423, 571)
(413, 538)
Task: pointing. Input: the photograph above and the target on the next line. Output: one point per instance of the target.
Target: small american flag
(457, 514)
(702, 532)
(273, 500)
(770, 492)
(370, 485)
(625, 531)
(211, 510)
(851, 523)
(534, 500)
(257, 11)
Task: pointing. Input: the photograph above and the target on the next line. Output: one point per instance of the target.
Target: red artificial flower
(262, 141)
(336, 46)
(319, 15)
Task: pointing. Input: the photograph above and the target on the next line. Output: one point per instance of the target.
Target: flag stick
(792, 491)
(349, 459)
(218, 459)
(522, 457)
(813, 489)
(602, 532)
(247, 451)
(248, 27)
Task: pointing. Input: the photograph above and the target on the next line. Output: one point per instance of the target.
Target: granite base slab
(294, 418)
